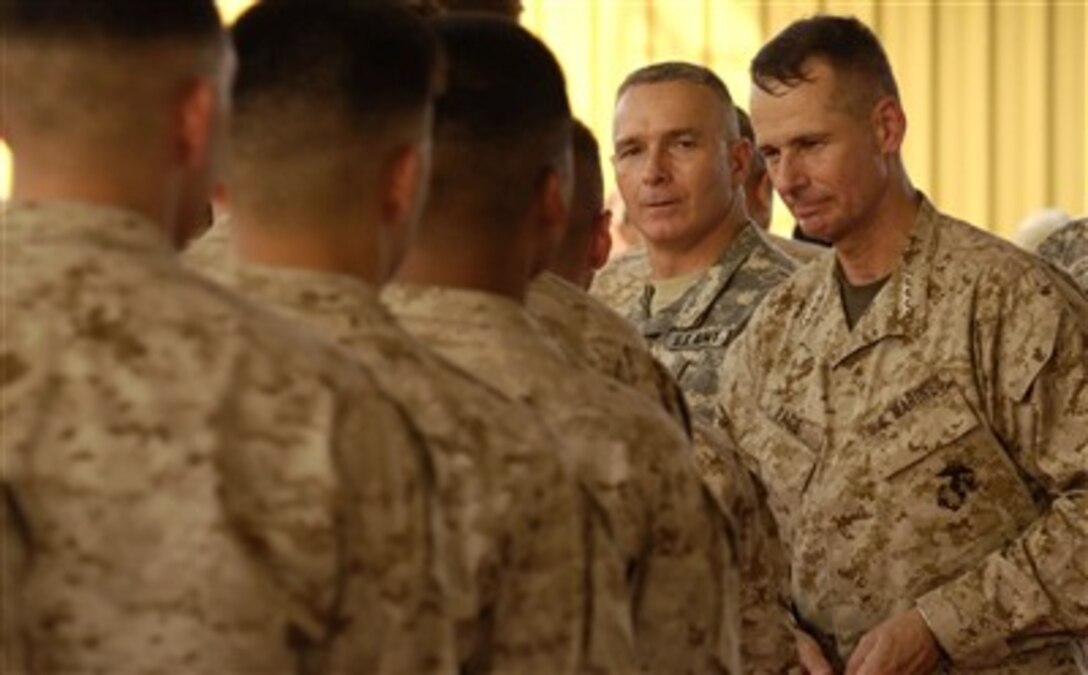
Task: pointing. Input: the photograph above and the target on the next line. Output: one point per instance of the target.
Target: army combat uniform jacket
(692, 335)
(514, 550)
(660, 560)
(933, 457)
(189, 484)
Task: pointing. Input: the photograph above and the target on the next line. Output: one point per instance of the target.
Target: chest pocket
(944, 478)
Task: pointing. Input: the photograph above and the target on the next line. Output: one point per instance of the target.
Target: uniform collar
(692, 308)
(899, 310)
(336, 301)
(459, 307)
(49, 221)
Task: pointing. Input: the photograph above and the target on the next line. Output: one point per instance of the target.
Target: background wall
(996, 91)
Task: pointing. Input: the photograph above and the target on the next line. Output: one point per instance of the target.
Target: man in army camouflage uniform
(659, 563)
(315, 101)
(681, 165)
(1068, 248)
(916, 404)
(189, 485)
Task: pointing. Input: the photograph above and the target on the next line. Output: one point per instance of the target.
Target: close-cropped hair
(503, 120)
(124, 21)
(677, 71)
(502, 83)
(847, 44)
(682, 71)
(363, 60)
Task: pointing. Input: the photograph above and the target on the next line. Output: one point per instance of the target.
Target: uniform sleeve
(688, 607)
(766, 636)
(326, 484)
(544, 567)
(14, 555)
(1031, 348)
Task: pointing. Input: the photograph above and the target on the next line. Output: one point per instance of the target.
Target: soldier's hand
(812, 659)
(902, 645)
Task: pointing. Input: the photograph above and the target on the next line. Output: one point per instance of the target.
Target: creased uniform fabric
(1068, 248)
(197, 487)
(659, 563)
(611, 346)
(620, 283)
(514, 552)
(692, 335)
(603, 339)
(935, 456)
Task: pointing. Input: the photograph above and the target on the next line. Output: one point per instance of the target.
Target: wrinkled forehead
(653, 109)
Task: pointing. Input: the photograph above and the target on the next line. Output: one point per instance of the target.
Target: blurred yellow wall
(996, 91)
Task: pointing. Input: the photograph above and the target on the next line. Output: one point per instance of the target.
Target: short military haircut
(589, 182)
(363, 60)
(132, 21)
(848, 46)
(504, 118)
(101, 71)
(682, 71)
(508, 9)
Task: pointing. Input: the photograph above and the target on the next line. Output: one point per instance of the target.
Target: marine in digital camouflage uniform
(659, 562)
(512, 550)
(1068, 249)
(917, 405)
(197, 487)
(190, 485)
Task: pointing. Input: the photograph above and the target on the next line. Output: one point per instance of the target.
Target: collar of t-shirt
(668, 291)
(856, 299)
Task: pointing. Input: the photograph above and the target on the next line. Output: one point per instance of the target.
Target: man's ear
(600, 243)
(552, 206)
(889, 124)
(740, 160)
(400, 184)
(195, 123)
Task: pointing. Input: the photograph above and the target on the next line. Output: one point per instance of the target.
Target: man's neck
(687, 258)
(93, 186)
(310, 246)
(872, 251)
(458, 258)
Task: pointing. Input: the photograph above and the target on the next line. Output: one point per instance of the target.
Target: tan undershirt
(668, 291)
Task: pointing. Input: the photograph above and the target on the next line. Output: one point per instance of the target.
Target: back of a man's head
(506, 9)
(84, 67)
(587, 243)
(682, 71)
(757, 186)
(503, 122)
(847, 45)
(324, 91)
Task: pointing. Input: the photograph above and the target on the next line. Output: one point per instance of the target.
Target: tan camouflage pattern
(212, 254)
(602, 339)
(195, 487)
(1068, 248)
(611, 346)
(621, 282)
(692, 335)
(514, 551)
(660, 570)
(935, 456)
(766, 632)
